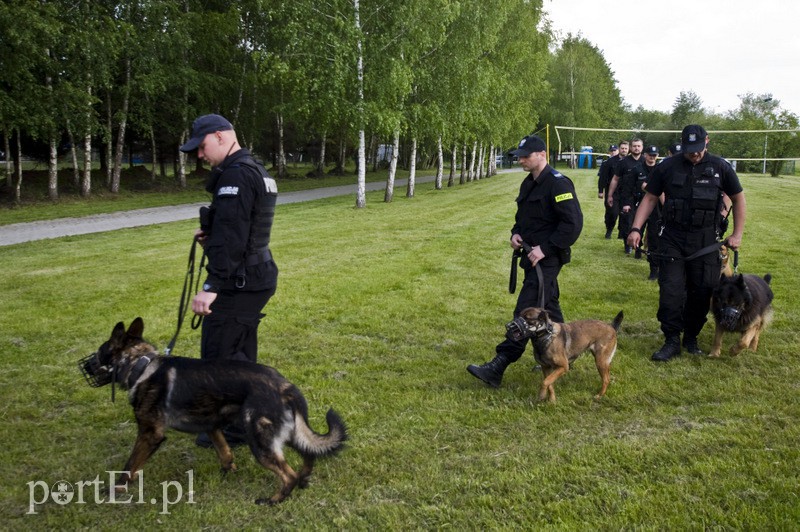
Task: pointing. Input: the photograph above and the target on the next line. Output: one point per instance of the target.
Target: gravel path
(26, 232)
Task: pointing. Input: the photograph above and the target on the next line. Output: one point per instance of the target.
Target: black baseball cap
(204, 125)
(675, 148)
(613, 147)
(693, 139)
(651, 150)
(528, 145)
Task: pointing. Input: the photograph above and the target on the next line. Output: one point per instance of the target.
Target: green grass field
(378, 312)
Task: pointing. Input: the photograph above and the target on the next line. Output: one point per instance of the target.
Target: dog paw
(713, 355)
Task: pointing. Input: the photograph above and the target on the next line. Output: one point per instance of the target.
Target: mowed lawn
(378, 312)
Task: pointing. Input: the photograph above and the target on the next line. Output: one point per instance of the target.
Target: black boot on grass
(670, 349)
(491, 372)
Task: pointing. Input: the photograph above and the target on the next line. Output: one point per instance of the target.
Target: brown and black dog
(743, 304)
(194, 396)
(557, 345)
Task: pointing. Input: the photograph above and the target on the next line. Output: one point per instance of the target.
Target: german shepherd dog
(557, 345)
(194, 396)
(743, 304)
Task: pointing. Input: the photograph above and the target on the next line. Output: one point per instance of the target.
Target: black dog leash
(704, 251)
(188, 282)
(512, 280)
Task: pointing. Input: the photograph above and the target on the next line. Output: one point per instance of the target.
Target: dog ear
(136, 328)
(118, 331)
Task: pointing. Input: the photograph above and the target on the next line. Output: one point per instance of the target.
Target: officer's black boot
(491, 372)
(670, 349)
(653, 273)
(690, 344)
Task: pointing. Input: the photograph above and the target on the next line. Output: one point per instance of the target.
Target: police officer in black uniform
(652, 226)
(604, 175)
(692, 183)
(549, 220)
(626, 174)
(235, 232)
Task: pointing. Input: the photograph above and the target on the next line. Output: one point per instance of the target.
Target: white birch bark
(439, 164)
(361, 189)
(389, 194)
(120, 147)
(412, 171)
(453, 154)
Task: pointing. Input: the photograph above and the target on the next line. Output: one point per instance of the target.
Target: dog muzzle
(95, 374)
(730, 317)
(517, 329)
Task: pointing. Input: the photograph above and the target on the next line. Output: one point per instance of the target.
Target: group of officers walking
(679, 204)
(678, 207)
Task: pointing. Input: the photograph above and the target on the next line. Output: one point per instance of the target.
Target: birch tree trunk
(7, 151)
(472, 156)
(281, 162)
(182, 157)
(18, 184)
(412, 171)
(52, 163)
(361, 188)
(154, 151)
(463, 178)
(73, 152)
(52, 170)
(109, 138)
(481, 155)
(453, 154)
(87, 138)
(389, 194)
(439, 164)
(492, 168)
(321, 163)
(123, 122)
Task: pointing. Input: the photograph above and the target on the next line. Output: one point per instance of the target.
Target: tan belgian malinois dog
(557, 345)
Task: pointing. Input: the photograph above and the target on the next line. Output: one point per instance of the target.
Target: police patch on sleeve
(270, 185)
(227, 191)
(563, 197)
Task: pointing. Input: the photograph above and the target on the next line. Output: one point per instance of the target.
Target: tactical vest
(693, 198)
(263, 211)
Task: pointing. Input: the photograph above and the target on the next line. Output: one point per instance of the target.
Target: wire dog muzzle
(95, 374)
(730, 317)
(517, 329)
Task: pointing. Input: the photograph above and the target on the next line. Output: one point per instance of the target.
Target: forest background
(92, 88)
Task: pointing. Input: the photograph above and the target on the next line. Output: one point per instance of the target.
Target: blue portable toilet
(585, 158)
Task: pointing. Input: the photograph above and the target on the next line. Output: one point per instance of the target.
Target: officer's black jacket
(676, 176)
(606, 172)
(548, 212)
(628, 169)
(237, 189)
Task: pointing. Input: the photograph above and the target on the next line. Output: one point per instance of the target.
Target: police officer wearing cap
(604, 174)
(692, 182)
(549, 220)
(235, 232)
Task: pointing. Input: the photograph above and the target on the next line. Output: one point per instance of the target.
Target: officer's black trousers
(685, 288)
(529, 297)
(611, 213)
(230, 331)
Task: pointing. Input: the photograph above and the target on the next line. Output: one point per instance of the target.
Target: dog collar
(137, 370)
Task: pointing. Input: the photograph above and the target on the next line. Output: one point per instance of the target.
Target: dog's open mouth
(95, 374)
(517, 329)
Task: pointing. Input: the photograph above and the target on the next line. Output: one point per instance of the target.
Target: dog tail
(306, 441)
(768, 278)
(617, 321)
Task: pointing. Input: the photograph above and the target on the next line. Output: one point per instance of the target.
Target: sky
(717, 48)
